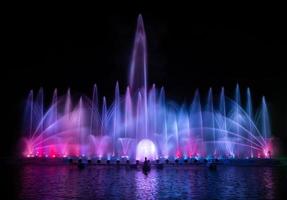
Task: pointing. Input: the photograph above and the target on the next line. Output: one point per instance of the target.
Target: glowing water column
(141, 122)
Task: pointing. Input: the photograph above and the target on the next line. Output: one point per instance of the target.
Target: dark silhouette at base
(146, 166)
(212, 165)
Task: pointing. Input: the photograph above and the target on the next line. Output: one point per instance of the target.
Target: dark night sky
(186, 50)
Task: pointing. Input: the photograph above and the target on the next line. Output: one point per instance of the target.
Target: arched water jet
(143, 116)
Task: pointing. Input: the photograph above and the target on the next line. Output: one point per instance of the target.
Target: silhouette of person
(145, 160)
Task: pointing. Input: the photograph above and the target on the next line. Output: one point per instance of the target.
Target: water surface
(103, 182)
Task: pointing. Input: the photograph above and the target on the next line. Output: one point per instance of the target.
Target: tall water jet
(94, 111)
(55, 106)
(210, 122)
(104, 117)
(162, 106)
(116, 119)
(50, 120)
(68, 104)
(223, 122)
(249, 111)
(138, 67)
(222, 107)
(237, 105)
(38, 109)
(143, 122)
(80, 127)
(196, 120)
(128, 121)
(152, 114)
(265, 119)
(140, 126)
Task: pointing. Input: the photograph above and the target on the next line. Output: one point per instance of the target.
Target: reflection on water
(102, 182)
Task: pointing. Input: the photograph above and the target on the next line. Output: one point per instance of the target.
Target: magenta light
(141, 122)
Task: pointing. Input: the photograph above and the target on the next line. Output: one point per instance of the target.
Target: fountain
(142, 122)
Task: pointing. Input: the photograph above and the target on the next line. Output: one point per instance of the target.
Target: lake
(173, 182)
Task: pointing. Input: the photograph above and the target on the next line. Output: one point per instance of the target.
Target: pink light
(88, 129)
(178, 154)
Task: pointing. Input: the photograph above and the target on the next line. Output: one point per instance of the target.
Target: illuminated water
(142, 122)
(102, 182)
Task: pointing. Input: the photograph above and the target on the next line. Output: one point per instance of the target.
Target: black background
(187, 49)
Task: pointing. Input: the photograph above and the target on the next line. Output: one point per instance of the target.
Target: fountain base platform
(170, 162)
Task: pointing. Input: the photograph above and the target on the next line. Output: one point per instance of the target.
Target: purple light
(146, 149)
(141, 122)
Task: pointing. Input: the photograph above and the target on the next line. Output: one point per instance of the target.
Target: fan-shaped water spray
(142, 122)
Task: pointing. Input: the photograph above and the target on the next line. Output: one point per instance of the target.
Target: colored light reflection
(143, 122)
